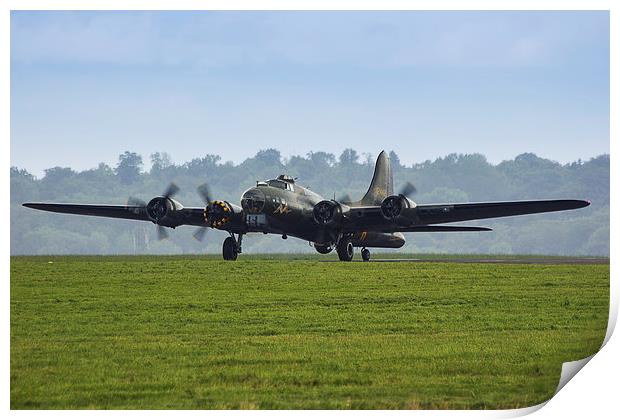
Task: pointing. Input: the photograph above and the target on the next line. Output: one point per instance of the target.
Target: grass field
(198, 332)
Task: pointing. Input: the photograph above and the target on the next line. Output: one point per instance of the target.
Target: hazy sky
(86, 86)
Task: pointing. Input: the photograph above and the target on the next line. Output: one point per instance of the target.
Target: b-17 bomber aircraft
(281, 206)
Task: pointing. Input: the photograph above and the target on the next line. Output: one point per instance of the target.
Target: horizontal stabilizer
(445, 229)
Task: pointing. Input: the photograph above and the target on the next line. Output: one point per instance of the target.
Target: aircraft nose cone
(253, 201)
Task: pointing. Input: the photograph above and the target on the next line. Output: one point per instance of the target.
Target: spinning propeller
(392, 206)
(157, 209)
(408, 189)
(203, 192)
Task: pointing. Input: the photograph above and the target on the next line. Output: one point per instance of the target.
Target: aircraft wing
(186, 216)
(119, 212)
(423, 217)
(446, 213)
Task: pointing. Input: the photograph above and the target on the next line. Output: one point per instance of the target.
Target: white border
(592, 394)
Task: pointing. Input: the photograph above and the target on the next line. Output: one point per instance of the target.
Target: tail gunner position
(282, 207)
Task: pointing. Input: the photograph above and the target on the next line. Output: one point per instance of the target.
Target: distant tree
(100, 177)
(270, 157)
(57, 174)
(368, 159)
(444, 195)
(348, 157)
(21, 173)
(128, 168)
(321, 158)
(160, 160)
(201, 166)
(104, 168)
(101, 170)
(531, 160)
(395, 160)
(59, 182)
(211, 161)
(23, 185)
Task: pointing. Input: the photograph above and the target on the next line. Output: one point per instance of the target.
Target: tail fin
(382, 184)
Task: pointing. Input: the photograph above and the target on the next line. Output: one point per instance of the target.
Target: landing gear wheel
(229, 249)
(345, 250)
(365, 254)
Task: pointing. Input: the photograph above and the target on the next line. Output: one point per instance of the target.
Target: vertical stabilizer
(382, 184)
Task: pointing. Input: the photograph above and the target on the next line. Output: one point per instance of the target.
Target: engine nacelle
(395, 207)
(219, 214)
(323, 249)
(329, 212)
(162, 211)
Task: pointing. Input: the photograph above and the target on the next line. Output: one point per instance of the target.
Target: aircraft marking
(282, 209)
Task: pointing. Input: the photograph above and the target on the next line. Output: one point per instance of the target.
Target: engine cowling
(329, 212)
(218, 214)
(323, 249)
(162, 211)
(395, 207)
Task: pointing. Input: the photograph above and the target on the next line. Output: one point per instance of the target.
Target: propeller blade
(345, 198)
(199, 234)
(161, 232)
(203, 191)
(408, 189)
(171, 190)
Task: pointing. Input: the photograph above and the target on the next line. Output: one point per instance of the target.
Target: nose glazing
(253, 201)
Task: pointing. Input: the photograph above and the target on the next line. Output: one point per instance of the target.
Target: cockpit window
(278, 184)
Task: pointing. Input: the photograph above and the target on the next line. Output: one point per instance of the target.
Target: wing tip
(578, 204)
(39, 206)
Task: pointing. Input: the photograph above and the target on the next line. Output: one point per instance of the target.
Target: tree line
(452, 178)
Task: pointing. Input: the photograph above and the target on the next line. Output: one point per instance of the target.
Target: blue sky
(86, 86)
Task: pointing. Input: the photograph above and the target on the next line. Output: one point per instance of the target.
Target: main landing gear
(232, 247)
(344, 248)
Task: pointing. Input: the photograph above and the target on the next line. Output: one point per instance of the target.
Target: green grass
(196, 332)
